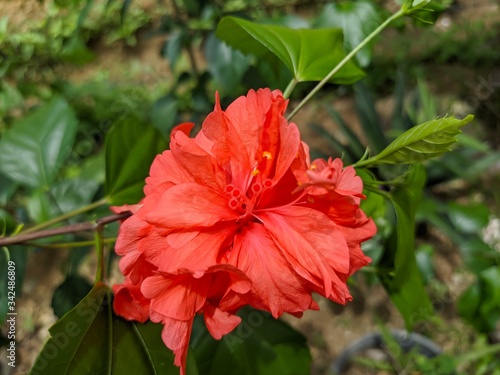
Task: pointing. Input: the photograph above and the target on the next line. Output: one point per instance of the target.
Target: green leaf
(357, 19)
(400, 274)
(131, 147)
(4, 306)
(476, 253)
(369, 119)
(62, 197)
(90, 339)
(164, 113)
(309, 54)
(479, 305)
(69, 293)
(7, 189)
(424, 141)
(19, 255)
(35, 148)
(76, 51)
(260, 345)
(468, 218)
(226, 65)
(173, 47)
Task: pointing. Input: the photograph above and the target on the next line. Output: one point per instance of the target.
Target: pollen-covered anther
(267, 155)
(255, 172)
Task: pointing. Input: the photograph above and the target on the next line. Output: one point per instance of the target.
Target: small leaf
(402, 278)
(479, 305)
(90, 339)
(357, 19)
(35, 148)
(173, 47)
(259, 345)
(422, 142)
(131, 147)
(76, 51)
(309, 54)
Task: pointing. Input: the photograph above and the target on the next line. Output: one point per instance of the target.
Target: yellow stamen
(267, 155)
(255, 172)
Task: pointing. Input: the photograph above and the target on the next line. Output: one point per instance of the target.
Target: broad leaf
(309, 54)
(468, 219)
(422, 142)
(131, 147)
(69, 293)
(35, 148)
(260, 345)
(226, 65)
(62, 197)
(90, 339)
(400, 274)
(164, 113)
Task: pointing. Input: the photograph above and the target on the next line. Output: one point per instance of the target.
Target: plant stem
(80, 227)
(66, 216)
(346, 59)
(67, 245)
(364, 163)
(99, 248)
(289, 88)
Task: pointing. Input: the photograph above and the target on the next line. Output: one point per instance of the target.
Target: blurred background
(158, 62)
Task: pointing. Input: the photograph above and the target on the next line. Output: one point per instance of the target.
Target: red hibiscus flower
(239, 215)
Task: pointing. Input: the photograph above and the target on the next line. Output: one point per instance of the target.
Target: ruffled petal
(306, 236)
(202, 166)
(175, 335)
(194, 250)
(175, 296)
(165, 168)
(218, 322)
(190, 206)
(130, 303)
(276, 286)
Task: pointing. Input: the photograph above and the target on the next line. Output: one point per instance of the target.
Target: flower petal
(130, 303)
(310, 242)
(194, 250)
(189, 206)
(175, 335)
(218, 322)
(175, 296)
(275, 283)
